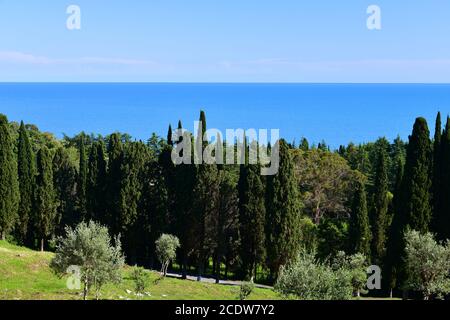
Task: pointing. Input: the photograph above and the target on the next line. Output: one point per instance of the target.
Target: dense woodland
(231, 220)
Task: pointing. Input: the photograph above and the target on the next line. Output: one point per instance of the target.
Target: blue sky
(225, 41)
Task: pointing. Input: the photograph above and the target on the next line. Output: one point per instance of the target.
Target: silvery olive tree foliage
(89, 247)
(307, 278)
(427, 265)
(166, 250)
(357, 265)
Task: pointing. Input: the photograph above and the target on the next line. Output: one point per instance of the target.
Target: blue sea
(336, 113)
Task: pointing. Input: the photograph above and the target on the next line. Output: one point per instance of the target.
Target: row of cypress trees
(231, 214)
(420, 201)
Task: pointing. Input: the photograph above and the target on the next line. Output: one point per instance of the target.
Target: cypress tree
(65, 184)
(380, 207)
(184, 182)
(283, 212)
(155, 217)
(130, 195)
(437, 185)
(359, 228)
(205, 212)
(46, 202)
(412, 200)
(251, 218)
(82, 180)
(169, 136)
(27, 175)
(96, 183)
(442, 215)
(114, 178)
(416, 186)
(394, 243)
(9, 184)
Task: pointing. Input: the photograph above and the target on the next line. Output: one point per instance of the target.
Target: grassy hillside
(24, 274)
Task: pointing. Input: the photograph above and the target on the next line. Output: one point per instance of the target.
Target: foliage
(427, 265)
(9, 185)
(284, 209)
(325, 181)
(379, 207)
(89, 247)
(166, 250)
(356, 265)
(359, 230)
(245, 290)
(252, 218)
(139, 277)
(27, 175)
(332, 235)
(309, 279)
(46, 202)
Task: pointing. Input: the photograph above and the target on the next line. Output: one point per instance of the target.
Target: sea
(334, 113)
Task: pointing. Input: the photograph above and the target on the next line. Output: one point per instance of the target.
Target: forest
(232, 222)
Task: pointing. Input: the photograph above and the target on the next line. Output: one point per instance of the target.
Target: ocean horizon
(335, 113)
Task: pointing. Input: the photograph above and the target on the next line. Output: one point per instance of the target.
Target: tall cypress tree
(379, 209)
(283, 212)
(131, 190)
(359, 229)
(442, 215)
(416, 188)
(46, 202)
(65, 184)
(114, 178)
(252, 218)
(437, 159)
(96, 183)
(394, 243)
(9, 184)
(184, 183)
(206, 193)
(27, 175)
(82, 179)
(412, 200)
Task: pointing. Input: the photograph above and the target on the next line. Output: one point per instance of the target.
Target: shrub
(139, 278)
(246, 289)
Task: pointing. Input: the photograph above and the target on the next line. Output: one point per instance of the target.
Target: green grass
(25, 274)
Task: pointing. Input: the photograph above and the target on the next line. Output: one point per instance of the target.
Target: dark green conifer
(9, 184)
(46, 202)
(359, 228)
(27, 176)
(283, 212)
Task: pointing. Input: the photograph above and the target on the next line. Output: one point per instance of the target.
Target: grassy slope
(24, 274)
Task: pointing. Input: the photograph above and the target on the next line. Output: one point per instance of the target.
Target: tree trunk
(391, 294)
(184, 268)
(226, 269)
(2, 235)
(42, 244)
(200, 271)
(165, 267)
(218, 270)
(85, 290)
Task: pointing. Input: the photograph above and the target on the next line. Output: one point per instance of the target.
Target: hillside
(24, 274)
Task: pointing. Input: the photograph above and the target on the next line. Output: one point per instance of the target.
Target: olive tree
(166, 250)
(89, 248)
(356, 265)
(310, 279)
(427, 264)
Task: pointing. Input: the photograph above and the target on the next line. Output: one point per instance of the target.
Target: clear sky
(225, 41)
